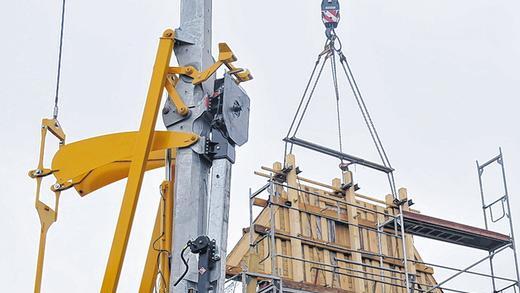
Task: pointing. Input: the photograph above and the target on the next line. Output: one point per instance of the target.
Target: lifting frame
(414, 224)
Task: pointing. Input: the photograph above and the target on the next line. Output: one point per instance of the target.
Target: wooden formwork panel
(319, 249)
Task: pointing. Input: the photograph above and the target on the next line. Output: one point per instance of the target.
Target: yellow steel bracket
(225, 57)
(93, 163)
(46, 214)
(171, 82)
(159, 250)
(140, 155)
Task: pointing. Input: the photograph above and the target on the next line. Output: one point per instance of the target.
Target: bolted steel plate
(235, 111)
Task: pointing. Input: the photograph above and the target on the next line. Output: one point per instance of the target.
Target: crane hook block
(330, 14)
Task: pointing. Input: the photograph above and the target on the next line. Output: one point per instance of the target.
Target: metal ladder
(505, 213)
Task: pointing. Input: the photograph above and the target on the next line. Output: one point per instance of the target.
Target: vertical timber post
(294, 220)
(410, 253)
(353, 230)
(193, 47)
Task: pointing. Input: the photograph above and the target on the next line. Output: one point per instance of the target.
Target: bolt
(193, 138)
(57, 186)
(37, 172)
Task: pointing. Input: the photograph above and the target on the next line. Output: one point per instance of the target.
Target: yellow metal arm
(96, 162)
(143, 144)
(225, 57)
(159, 250)
(171, 81)
(46, 214)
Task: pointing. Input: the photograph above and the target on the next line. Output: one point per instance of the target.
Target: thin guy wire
(58, 75)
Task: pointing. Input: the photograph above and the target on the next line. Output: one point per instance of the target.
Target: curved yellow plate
(96, 162)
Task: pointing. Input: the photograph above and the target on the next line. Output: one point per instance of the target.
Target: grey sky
(440, 78)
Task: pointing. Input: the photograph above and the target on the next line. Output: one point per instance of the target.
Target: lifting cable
(332, 47)
(299, 111)
(58, 74)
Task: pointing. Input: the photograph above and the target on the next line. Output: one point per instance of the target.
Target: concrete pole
(192, 47)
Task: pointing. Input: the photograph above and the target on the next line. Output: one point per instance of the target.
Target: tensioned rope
(330, 52)
(58, 74)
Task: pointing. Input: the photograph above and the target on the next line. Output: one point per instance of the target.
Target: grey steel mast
(219, 114)
(192, 47)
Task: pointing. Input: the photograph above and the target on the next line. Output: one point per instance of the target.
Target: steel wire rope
(310, 97)
(325, 53)
(368, 119)
(58, 74)
(336, 91)
(364, 108)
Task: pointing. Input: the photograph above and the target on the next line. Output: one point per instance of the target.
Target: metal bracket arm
(225, 57)
(46, 214)
(171, 81)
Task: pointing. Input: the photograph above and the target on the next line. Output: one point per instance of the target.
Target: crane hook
(330, 16)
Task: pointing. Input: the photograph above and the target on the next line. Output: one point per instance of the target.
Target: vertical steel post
(403, 243)
(482, 197)
(251, 200)
(272, 247)
(509, 216)
(218, 217)
(193, 47)
(380, 252)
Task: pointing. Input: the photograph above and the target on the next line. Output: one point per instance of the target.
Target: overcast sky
(440, 78)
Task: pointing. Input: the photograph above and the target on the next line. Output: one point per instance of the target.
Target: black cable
(58, 75)
(185, 264)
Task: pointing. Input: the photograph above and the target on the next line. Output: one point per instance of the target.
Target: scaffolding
(365, 270)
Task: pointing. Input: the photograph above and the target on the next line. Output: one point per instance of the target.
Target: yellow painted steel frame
(90, 164)
(159, 251)
(46, 214)
(225, 57)
(137, 167)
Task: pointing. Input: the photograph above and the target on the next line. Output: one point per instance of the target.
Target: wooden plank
(325, 224)
(294, 219)
(359, 284)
